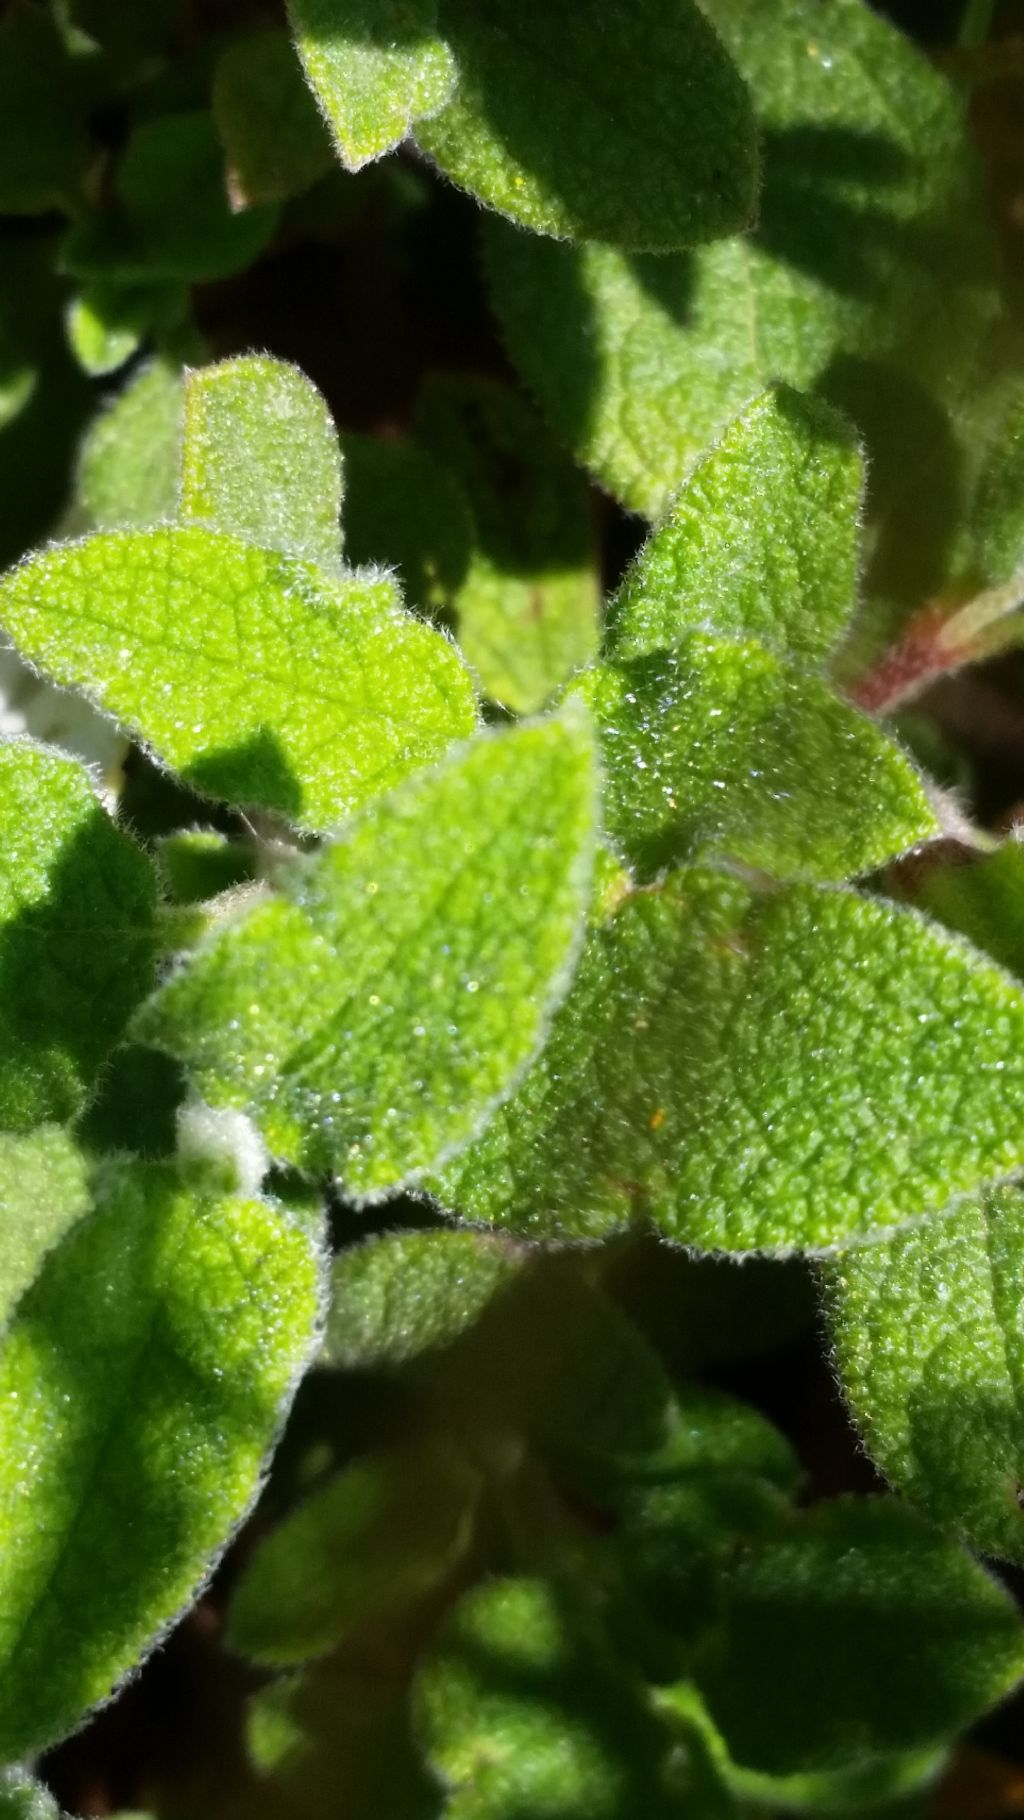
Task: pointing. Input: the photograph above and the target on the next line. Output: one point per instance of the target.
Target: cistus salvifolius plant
(511, 909)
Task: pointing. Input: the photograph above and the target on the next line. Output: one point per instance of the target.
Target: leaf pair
(660, 152)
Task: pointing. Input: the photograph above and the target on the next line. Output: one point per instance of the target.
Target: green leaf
(22, 1798)
(374, 1014)
(142, 1381)
(77, 935)
(870, 261)
(403, 509)
(528, 604)
(406, 1293)
(107, 325)
(523, 1709)
(374, 66)
(274, 139)
(760, 543)
(260, 458)
(260, 678)
(128, 467)
(661, 152)
(198, 863)
(857, 1633)
(925, 1330)
(376, 1540)
(980, 895)
(338, 1739)
(716, 749)
(753, 1071)
(43, 1191)
(43, 144)
(996, 545)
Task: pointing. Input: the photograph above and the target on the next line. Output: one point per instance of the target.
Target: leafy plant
(413, 866)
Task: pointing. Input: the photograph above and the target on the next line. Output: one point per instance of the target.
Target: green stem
(976, 24)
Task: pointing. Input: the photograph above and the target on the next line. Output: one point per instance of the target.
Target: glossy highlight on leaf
(372, 1016)
(757, 1071)
(142, 1381)
(260, 677)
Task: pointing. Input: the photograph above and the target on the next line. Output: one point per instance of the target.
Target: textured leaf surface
(523, 1710)
(22, 1798)
(274, 139)
(859, 1631)
(760, 543)
(377, 1539)
(128, 468)
(528, 603)
(717, 749)
(141, 1383)
(868, 250)
(43, 1191)
(77, 939)
(260, 458)
(375, 66)
(368, 1019)
(403, 509)
(779, 1071)
(405, 1293)
(662, 151)
(927, 1340)
(259, 677)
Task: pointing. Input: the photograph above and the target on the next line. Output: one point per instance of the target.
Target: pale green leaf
(142, 1380)
(77, 934)
(760, 543)
(274, 140)
(106, 326)
(128, 466)
(374, 66)
(374, 1541)
(405, 1293)
(716, 749)
(259, 677)
(927, 1336)
(634, 128)
(260, 458)
(527, 605)
(23, 1798)
(757, 1071)
(43, 1191)
(404, 510)
(523, 1709)
(370, 1017)
(858, 1632)
(869, 261)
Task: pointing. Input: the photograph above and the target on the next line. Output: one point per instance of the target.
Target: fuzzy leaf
(260, 458)
(523, 1710)
(43, 1191)
(717, 749)
(528, 604)
(662, 151)
(780, 1071)
(859, 1632)
(142, 1381)
(870, 257)
(405, 1293)
(374, 1541)
(22, 1798)
(77, 935)
(373, 1015)
(197, 863)
(926, 1330)
(403, 509)
(128, 468)
(259, 677)
(274, 139)
(760, 543)
(374, 66)
(980, 895)
(996, 550)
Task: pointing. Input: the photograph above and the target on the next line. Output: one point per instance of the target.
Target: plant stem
(976, 24)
